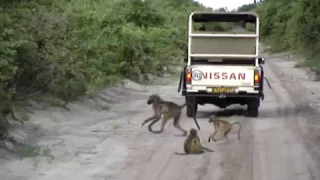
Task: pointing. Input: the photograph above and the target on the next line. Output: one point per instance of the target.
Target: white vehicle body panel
(207, 76)
(212, 35)
(204, 77)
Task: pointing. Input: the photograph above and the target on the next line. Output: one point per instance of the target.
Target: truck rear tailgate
(227, 76)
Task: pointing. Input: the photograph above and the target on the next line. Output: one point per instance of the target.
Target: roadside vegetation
(70, 48)
(290, 26)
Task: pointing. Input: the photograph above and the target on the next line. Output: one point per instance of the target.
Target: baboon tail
(239, 128)
(207, 149)
(180, 153)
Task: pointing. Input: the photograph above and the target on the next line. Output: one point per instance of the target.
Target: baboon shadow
(222, 113)
(266, 112)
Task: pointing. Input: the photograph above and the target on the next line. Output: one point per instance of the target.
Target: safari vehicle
(223, 64)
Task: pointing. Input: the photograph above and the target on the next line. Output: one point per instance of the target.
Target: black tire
(190, 110)
(253, 111)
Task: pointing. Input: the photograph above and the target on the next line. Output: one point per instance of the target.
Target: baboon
(7, 107)
(192, 144)
(222, 127)
(4, 125)
(169, 110)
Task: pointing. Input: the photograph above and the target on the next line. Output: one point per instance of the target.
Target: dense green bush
(291, 25)
(70, 47)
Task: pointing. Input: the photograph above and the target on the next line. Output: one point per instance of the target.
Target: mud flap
(194, 116)
(261, 83)
(180, 82)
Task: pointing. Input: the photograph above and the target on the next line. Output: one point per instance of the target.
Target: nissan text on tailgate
(223, 64)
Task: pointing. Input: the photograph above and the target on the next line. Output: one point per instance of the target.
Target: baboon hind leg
(226, 135)
(176, 123)
(163, 123)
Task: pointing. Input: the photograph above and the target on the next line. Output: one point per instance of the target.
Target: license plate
(222, 90)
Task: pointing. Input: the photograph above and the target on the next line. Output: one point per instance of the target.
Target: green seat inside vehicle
(223, 45)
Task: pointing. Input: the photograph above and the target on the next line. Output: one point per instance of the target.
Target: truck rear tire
(253, 107)
(191, 109)
(253, 111)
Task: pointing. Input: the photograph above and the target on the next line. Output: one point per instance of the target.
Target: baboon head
(153, 98)
(212, 118)
(193, 132)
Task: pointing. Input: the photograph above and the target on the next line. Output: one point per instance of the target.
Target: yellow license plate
(222, 90)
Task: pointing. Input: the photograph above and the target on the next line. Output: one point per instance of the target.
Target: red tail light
(256, 78)
(188, 75)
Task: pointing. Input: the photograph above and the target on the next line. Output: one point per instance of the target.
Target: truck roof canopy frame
(250, 17)
(211, 44)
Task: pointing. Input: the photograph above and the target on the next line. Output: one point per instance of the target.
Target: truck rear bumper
(199, 89)
(225, 95)
(203, 93)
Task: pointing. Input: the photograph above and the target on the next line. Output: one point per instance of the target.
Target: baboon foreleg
(149, 119)
(152, 123)
(163, 123)
(212, 136)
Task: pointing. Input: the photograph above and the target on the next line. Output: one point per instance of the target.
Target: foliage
(74, 47)
(291, 25)
(247, 7)
(68, 47)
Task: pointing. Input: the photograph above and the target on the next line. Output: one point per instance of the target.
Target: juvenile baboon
(7, 107)
(222, 127)
(4, 133)
(192, 144)
(169, 110)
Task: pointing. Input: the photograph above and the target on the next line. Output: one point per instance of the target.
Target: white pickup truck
(223, 68)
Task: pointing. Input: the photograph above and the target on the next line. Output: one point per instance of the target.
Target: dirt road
(88, 143)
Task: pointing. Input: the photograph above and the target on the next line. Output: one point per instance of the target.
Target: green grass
(34, 151)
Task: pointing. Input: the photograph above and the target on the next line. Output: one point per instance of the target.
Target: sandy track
(88, 143)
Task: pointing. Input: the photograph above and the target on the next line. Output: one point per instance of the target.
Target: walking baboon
(222, 127)
(169, 110)
(7, 107)
(192, 144)
(4, 125)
